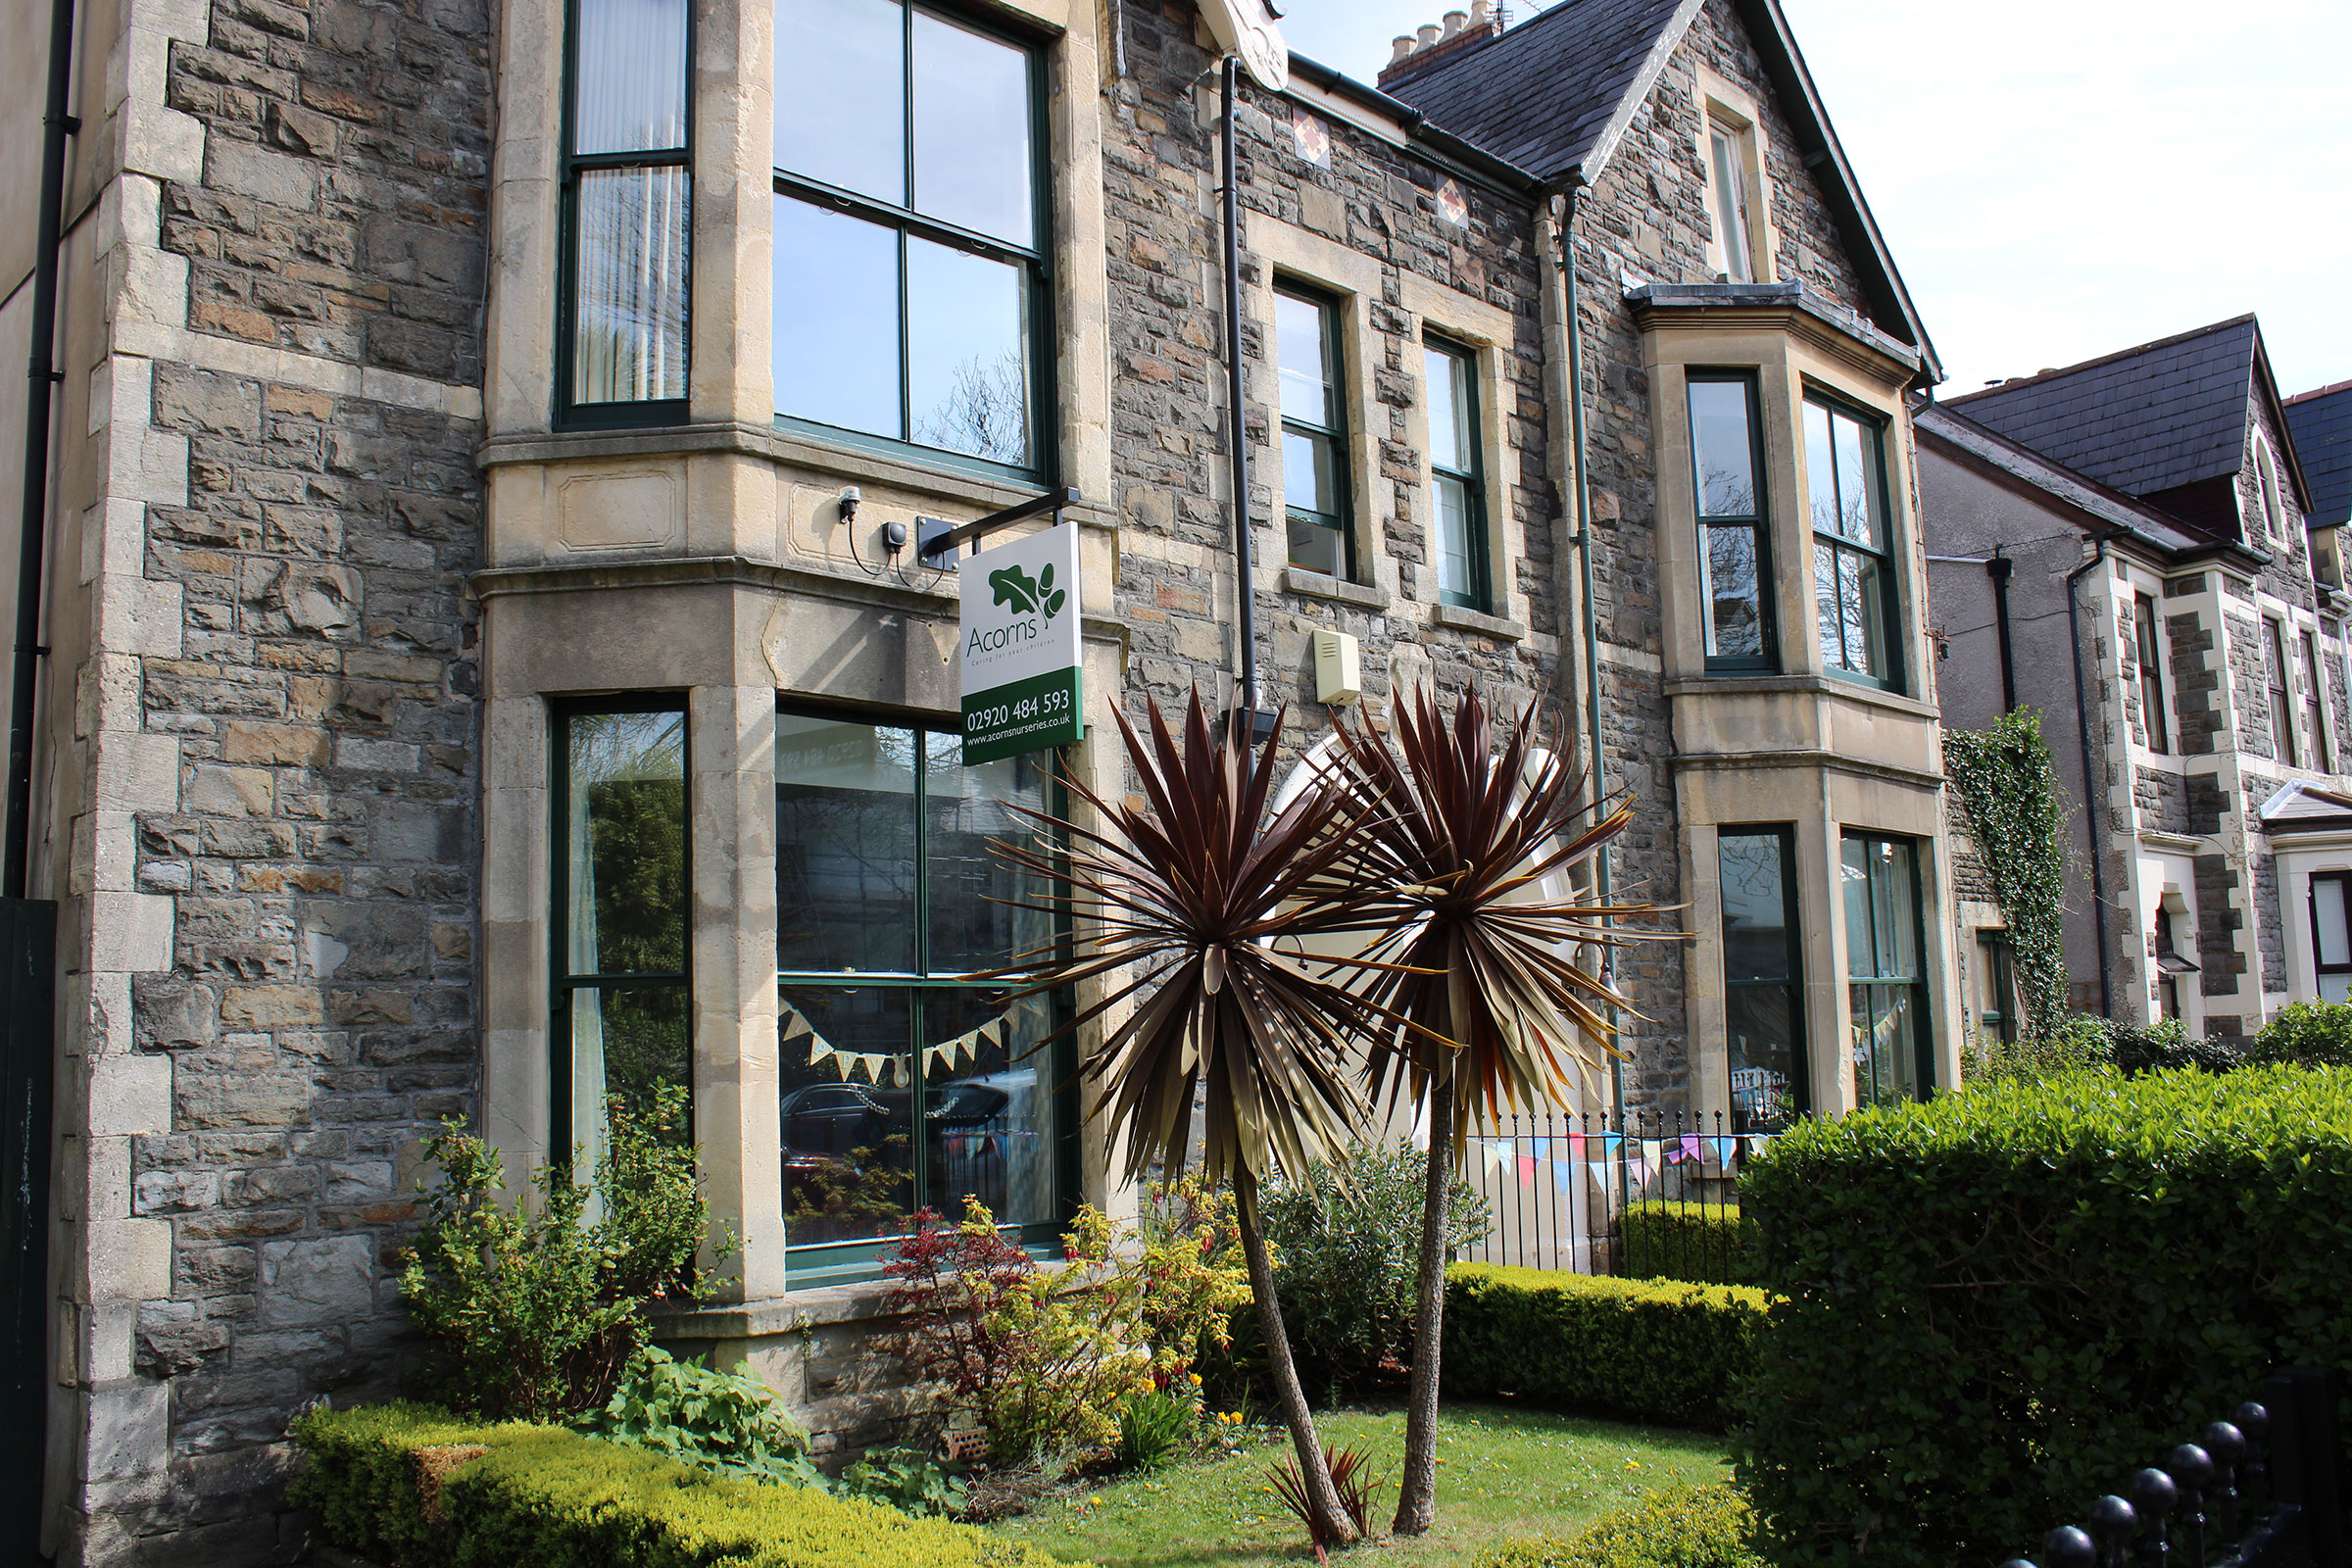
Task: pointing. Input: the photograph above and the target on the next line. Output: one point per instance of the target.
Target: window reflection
(1762, 1019)
(968, 357)
(836, 319)
(972, 158)
(841, 109)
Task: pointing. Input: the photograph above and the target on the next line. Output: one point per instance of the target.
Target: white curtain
(630, 288)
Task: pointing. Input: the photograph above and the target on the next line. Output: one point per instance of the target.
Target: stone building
(2130, 545)
(492, 662)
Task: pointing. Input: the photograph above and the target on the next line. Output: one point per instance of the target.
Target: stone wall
(2197, 681)
(316, 377)
(2269, 936)
(2249, 683)
(2218, 921)
(2162, 800)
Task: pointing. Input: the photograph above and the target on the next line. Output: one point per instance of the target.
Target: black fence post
(2306, 1464)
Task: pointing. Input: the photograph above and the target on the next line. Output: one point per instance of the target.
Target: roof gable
(2321, 426)
(2147, 419)
(1555, 95)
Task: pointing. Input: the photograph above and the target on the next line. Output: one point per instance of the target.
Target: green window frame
(889, 903)
(1317, 478)
(913, 273)
(1728, 486)
(621, 879)
(2282, 712)
(1457, 475)
(1763, 977)
(1856, 597)
(2315, 704)
(626, 206)
(2151, 674)
(1887, 991)
(2000, 982)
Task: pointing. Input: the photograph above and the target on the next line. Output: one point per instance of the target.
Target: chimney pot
(1427, 32)
(1454, 20)
(1478, 12)
(1404, 49)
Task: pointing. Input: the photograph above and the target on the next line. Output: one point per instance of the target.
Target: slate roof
(2149, 418)
(2086, 495)
(1542, 94)
(2321, 426)
(1557, 93)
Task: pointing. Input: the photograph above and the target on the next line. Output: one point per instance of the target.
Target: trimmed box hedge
(1646, 1350)
(413, 1485)
(1991, 1308)
(1687, 1527)
(1708, 1243)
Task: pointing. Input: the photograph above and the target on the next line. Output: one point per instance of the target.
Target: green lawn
(1502, 1472)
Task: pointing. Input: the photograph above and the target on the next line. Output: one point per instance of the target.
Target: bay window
(911, 231)
(2331, 934)
(627, 202)
(621, 1027)
(1854, 572)
(1458, 470)
(1885, 979)
(905, 1083)
(1735, 553)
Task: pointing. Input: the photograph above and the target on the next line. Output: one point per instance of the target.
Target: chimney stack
(1461, 33)
(1454, 21)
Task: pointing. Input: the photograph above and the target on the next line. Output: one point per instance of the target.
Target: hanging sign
(1020, 647)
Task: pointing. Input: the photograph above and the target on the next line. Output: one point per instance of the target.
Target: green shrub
(1705, 1243)
(2081, 1041)
(1991, 1308)
(2167, 1044)
(1685, 1527)
(1658, 1351)
(2313, 1033)
(727, 1423)
(537, 1309)
(1157, 1428)
(906, 1479)
(413, 1484)
(1347, 1247)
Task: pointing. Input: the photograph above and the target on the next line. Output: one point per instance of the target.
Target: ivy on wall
(2009, 785)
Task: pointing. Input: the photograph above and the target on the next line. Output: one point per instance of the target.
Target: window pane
(1827, 592)
(837, 320)
(1316, 548)
(1730, 205)
(963, 810)
(968, 357)
(1848, 589)
(971, 130)
(1887, 946)
(1299, 329)
(1885, 1041)
(846, 1112)
(1756, 907)
(630, 94)
(1307, 479)
(988, 1105)
(626, 1044)
(841, 94)
(629, 343)
(1760, 1022)
(1735, 614)
(625, 859)
(1455, 578)
(1857, 480)
(2328, 916)
(1854, 878)
(845, 847)
(1724, 452)
(1820, 470)
(1450, 433)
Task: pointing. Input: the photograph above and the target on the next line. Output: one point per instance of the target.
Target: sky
(2060, 179)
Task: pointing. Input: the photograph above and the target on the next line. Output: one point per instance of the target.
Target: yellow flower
(1196, 1377)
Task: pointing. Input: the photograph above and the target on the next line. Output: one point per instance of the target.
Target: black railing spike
(2113, 1523)
(2154, 1495)
(2254, 1472)
(2069, 1548)
(2191, 1468)
(2228, 1445)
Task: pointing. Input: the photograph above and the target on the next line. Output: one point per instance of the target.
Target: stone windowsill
(1319, 585)
(1822, 685)
(789, 1313)
(1478, 621)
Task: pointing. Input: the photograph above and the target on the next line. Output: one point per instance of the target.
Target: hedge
(1646, 1350)
(1704, 1242)
(413, 1484)
(1993, 1307)
(1687, 1527)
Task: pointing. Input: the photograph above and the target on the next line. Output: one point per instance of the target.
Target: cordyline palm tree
(1475, 960)
(1192, 907)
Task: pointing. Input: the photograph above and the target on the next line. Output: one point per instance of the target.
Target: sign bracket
(1054, 501)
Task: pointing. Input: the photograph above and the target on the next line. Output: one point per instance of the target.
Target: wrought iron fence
(1648, 1193)
(2261, 1489)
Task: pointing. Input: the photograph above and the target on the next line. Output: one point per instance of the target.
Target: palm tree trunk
(1330, 1523)
(1418, 1488)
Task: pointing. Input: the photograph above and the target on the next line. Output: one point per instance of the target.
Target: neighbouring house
(2130, 546)
(491, 660)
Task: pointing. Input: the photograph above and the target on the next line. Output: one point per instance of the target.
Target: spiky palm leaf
(1197, 915)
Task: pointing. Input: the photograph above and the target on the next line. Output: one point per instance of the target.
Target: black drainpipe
(1238, 437)
(1999, 569)
(55, 126)
(2090, 787)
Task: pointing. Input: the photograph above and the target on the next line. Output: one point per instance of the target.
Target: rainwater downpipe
(1238, 438)
(1999, 569)
(16, 855)
(2090, 789)
(1603, 871)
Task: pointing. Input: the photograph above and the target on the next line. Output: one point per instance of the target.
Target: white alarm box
(1339, 669)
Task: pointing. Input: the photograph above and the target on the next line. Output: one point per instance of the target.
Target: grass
(1502, 1472)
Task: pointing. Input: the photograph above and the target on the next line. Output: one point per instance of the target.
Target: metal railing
(1650, 1193)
